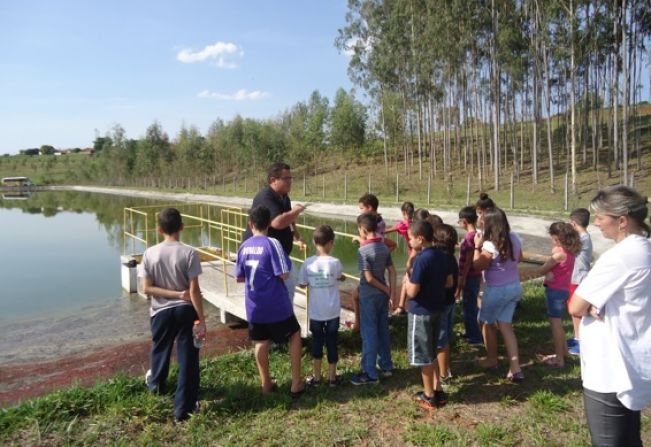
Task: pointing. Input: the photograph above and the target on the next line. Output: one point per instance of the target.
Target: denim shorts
(556, 301)
(445, 330)
(499, 302)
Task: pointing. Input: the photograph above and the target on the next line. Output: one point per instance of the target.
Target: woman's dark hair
(408, 209)
(498, 231)
(623, 201)
(445, 238)
(484, 202)
(421, 214)
(468, 213)
(568, 237)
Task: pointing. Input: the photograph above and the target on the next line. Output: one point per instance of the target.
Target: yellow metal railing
(225, 224)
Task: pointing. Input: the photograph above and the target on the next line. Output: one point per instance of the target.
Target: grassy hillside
(344, 177)
(484, 408)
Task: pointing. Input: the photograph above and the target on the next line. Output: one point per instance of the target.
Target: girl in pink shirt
(557, 270)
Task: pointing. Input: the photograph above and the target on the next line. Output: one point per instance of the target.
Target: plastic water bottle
(198, 336)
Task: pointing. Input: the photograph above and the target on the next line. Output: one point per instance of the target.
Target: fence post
(468, 192)
(565, 196)
(397, 188)
(512, 201)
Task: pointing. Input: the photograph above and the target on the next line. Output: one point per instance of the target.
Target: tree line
(301, 135)
(525, 86)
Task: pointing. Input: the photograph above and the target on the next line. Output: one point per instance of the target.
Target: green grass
(484, 408)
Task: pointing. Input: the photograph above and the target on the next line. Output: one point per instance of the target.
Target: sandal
(517, 377)
(552, 361)
(336, 382)
(312, 381)
(297, 394)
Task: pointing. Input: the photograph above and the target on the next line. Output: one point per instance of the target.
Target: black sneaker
(363, 379)
(427, 403)
(440, 398)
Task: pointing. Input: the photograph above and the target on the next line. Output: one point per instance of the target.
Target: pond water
(60, 272)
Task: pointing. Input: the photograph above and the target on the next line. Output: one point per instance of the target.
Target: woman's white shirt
(616, 352)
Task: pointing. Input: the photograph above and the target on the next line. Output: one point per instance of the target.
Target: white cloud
(215, 51)
(240, 95)
(223, 63)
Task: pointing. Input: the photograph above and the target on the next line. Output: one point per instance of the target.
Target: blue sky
(69, 68)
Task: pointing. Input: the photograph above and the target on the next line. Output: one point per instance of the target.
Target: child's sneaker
(363, 379)
(572, 342)
(575, 350)
(440, 398)
(386, 373)
(427, 403)
(147, 377)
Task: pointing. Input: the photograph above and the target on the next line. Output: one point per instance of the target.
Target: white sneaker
(147, 377)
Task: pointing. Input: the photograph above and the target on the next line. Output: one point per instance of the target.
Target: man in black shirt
(275, 198)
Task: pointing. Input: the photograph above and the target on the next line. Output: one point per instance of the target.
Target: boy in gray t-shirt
(170, 275)
(374, 296)
(579, 218)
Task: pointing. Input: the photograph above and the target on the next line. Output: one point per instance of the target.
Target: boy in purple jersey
(263, 266)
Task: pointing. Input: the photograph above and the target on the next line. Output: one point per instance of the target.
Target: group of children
(433, 281)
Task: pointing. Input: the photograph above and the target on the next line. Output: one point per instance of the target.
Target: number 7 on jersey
(253, 263)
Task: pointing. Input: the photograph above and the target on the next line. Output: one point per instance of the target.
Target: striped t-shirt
(373, 256)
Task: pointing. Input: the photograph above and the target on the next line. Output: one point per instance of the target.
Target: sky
(72, 69)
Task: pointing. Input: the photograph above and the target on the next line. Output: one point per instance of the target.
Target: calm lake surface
(60, 273)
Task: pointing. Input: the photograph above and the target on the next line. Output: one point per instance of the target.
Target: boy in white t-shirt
(320, 274)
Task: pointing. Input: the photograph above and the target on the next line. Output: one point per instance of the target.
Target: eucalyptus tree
(347, 123)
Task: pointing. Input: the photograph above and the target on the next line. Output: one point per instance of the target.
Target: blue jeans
(470, 309)
(166, 326)
(374, 320)
(325, 332)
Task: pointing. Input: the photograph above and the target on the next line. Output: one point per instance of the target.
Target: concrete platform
(228, 296)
